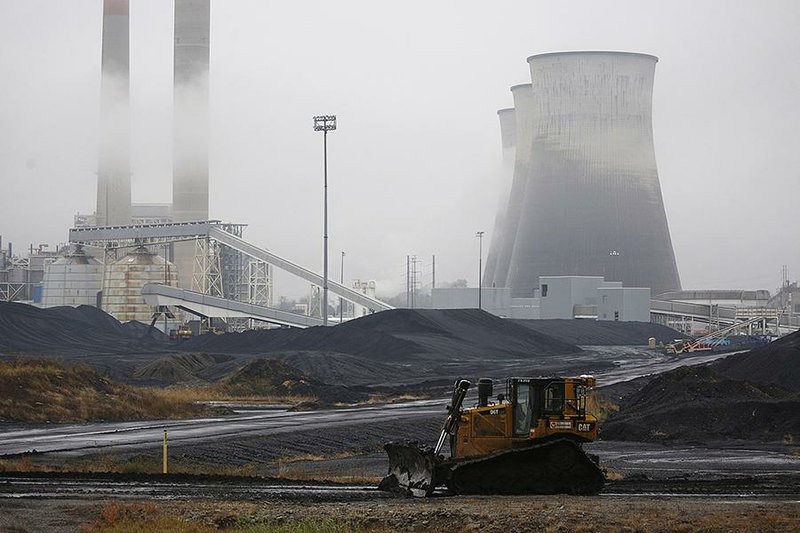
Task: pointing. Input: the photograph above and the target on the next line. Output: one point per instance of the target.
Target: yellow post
(164, 470)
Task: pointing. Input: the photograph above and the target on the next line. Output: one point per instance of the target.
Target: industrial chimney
(508, 136)
(593, 204)
(190, 119)
(523, 122)
(114, 167)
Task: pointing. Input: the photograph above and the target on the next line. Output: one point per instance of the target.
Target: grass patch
(147, 517)
(139, 464)
(47, 390)
(219, 393)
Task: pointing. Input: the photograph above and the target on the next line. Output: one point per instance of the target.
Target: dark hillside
(400, 335)
(587, 332)
(696, 404)
(68, 330)
(777, 363)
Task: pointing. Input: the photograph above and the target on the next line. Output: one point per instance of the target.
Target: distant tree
(460, 283)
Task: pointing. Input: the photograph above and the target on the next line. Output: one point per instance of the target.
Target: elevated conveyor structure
(158, 234)
(205, 305)
(668, 312)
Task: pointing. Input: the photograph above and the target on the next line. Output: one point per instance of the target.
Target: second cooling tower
(592, 202)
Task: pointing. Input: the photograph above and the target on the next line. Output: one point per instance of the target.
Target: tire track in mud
(53, 486)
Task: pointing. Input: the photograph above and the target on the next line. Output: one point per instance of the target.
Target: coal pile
(587, 332)
(271, 377)
(696, 404)
(185, 368)
(400, 335)
(71, 330)
(777, 363)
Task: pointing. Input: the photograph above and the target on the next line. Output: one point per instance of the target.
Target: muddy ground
(451, 515)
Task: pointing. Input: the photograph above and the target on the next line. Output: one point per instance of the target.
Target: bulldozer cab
(544, 406)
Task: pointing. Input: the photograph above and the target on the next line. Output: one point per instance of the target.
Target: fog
(414, 163)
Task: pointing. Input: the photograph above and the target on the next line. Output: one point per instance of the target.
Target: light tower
(325, 123)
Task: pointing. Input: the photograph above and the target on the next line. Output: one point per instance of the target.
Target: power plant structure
(586, 198)
(508, 139)
(190, 124)
(114, 165)
(200, 264)
(523, 117)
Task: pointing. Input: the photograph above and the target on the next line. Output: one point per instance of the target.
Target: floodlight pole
(325, 123)
(479, 235)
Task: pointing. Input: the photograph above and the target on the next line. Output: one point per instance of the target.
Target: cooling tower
(508, 136)
(523, 123)
(190, 118)
(593, 204)
(114, 168)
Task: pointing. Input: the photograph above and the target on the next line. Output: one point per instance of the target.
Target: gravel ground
(485, 513)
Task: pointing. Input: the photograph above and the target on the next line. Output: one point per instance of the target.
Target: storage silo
(73, 279)
(124, 279)
(523, 123)
(593, 203)
(508, 136)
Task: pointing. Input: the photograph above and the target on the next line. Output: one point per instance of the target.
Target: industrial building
(592, 297)
(555, 297)
(586, 196)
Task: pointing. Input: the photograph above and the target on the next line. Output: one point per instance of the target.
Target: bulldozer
(527, 442)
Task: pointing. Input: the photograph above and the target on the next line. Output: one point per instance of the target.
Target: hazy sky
(416, 86)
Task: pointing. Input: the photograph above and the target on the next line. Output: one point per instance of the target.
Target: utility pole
(433, 272)
(408, 281)
(479, 235)
(341, 300)
(413, 281)
(325, 123)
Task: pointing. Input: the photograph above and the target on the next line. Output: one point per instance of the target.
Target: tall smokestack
(114, 167)
(523, 120)
(508, 138)
(190, 117)
(593, 202)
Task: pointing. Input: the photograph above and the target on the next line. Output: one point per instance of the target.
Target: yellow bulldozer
(527, 442)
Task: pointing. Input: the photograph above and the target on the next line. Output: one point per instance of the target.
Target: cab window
(523, 409)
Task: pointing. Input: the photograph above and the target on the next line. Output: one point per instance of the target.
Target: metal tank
(523, 100)
(190, 121)
(73, 279)
(593, 204)
(508, 137)
(114, 167)
(124, 279)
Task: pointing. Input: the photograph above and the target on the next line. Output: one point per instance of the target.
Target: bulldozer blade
(412, 469)
(555, 467)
